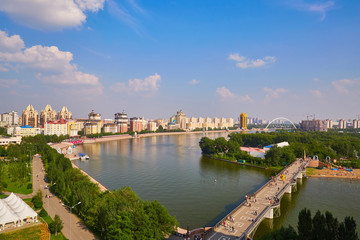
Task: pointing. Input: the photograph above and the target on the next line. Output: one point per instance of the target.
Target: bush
(29, 186)
(43, 213)
(37, 200)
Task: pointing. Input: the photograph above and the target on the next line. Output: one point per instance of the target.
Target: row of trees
(333, 144)
(323, 144)
(320, 227)
(220, 148)
(119, 214)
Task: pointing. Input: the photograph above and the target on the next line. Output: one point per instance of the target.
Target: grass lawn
(60, 236)
(310, 171)
(31, 233)
(17, 187)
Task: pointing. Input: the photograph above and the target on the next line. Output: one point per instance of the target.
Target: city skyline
(268, 59)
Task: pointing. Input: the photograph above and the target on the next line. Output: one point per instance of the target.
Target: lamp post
(70, 214)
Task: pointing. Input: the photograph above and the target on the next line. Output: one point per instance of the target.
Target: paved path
(242, 218)
(78, 230)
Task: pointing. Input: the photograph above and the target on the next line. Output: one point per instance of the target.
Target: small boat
(335, 169)
(83, 156)
(349, 170)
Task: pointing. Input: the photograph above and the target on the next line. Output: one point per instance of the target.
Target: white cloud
(344, 86)
(10, 44)
(194, 82)
(316, 79)
(273, 93)
(6, 83)
(149, 84)
(243, 62)
(224, 93)
(316, 93)
(320, 8)
(50, 64)
(50, 14)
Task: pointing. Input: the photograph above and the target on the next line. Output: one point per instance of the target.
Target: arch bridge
(283, 124)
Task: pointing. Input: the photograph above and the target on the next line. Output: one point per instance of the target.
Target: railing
(254, 224)
(243, 203)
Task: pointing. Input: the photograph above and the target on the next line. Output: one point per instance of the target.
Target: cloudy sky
(268, 58)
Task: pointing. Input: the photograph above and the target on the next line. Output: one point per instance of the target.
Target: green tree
(305, 225)
(56, 226)
(207, 146)
(318, 228)
(347, 229)
(37, 200)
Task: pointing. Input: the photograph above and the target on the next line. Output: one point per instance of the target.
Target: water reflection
(171, 170)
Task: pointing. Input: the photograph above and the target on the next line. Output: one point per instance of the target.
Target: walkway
(78, 229)
(249, 211)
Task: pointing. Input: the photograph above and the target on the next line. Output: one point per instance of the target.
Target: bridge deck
(243, 214)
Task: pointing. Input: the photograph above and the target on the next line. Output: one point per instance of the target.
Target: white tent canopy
(14, 211)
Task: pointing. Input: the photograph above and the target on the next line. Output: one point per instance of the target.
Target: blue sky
(210, 58)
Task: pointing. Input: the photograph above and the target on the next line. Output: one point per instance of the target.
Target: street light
(70, 214)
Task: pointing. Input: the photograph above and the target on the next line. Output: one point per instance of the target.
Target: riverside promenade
(243, 221)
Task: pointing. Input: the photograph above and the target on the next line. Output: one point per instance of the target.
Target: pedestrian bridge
(242, 222)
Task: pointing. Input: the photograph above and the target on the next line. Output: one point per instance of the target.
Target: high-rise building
(342, 123)
(30, 117)
(137, 124)
(94, 116)
(329, 123)
(151, 126)
(180, 119)
(356, 123)
(243, 121)
(121, 121)
(46, 115)
(314, 125)
(10, 118)
(64, 114)
(94, 124)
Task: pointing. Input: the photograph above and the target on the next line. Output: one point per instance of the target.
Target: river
(199, 191)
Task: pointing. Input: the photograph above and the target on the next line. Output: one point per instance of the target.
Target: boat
(83, 156)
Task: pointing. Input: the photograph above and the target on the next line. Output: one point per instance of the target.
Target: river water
(200, 191)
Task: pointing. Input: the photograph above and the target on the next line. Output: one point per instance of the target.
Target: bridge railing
(243, 203)
(253, 225)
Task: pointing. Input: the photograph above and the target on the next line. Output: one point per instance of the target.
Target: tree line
(332, 144)
(119, 214)
(320, 227)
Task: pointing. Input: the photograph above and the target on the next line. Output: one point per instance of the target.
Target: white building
(56, 128)
(10, 118)
(9, 140)
(23, 131)
(151, 126)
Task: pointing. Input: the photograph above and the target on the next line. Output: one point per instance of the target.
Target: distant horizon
(289, 58)
(236, 119)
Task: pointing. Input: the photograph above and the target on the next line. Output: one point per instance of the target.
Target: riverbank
(102, 187)
(328, 173)
(127, 136)
(231, 161)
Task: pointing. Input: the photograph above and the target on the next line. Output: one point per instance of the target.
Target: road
(52, 205)
(242, 218)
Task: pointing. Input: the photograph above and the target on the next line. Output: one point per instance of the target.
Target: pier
(242, 222)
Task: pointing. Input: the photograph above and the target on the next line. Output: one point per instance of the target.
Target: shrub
(29, 186)
(43, 213)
